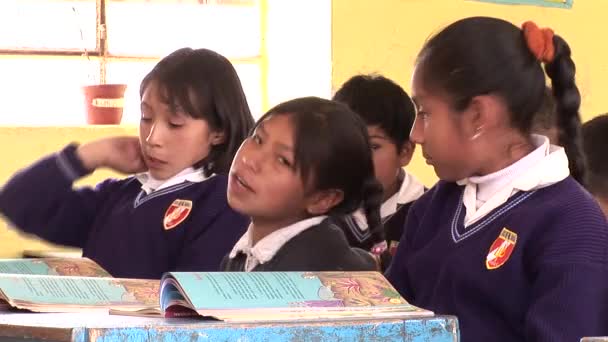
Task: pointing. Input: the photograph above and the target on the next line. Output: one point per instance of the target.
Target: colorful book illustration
(53, 266)
(282, 296)
(48, 293)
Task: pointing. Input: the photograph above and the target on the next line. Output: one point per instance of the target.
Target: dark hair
(206, 85)
(481, 55)
(332, 151)
(546, 117)
(595, 141)
(382, 102)
(546, 122)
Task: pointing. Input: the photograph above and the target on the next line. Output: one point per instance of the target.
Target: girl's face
(388, 159)
(442, 133)
(263, 183)
(171, 140)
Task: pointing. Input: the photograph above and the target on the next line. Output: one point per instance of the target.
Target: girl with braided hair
(507, 240)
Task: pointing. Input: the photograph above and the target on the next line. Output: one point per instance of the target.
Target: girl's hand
(122, 154)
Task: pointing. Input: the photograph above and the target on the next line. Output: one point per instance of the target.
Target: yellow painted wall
(385, 35)
(21, 146)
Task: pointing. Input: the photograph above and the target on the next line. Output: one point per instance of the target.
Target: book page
(80, 291)
(137, 312)
(53, 266)
(246, 290)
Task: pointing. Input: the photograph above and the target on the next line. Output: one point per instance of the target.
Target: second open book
(283, 296)
(227, 296)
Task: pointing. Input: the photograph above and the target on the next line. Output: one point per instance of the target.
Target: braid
(562, 70)
(372, 200)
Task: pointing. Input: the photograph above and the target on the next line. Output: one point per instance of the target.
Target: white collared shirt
(149, 184)
(409, 191)
(265, 249)
(546, 165)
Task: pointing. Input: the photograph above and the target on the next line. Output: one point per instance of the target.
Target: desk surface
(102, 327)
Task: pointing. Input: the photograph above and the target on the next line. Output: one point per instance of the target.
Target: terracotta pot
(104, 103)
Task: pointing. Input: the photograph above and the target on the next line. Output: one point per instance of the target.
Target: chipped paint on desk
(438, 329)
(104, 328)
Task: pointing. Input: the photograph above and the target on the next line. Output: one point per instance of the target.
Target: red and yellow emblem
(177, 212)
(501, 249)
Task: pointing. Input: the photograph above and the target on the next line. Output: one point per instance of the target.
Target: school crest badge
(177, 212)
(501, 249)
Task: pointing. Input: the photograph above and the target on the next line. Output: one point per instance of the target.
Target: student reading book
(48, 293)
(272, 296)
(53, 266)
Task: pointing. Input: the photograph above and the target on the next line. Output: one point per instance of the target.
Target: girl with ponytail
(507, 240)
(306, 161)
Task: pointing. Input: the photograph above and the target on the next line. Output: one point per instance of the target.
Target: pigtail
(372, 200)
(561, 70)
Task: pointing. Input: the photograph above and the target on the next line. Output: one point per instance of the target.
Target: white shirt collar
(149, 184)
(546, 165)
(265, 249)
(409, 191)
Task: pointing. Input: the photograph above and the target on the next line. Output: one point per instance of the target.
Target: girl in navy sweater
(307, 159)
(172, 215)
(507, 240)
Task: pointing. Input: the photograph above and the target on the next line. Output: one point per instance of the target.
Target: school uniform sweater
(393, 213)
(184, 227)
(358, 235)
(316, 245)
(534, 268)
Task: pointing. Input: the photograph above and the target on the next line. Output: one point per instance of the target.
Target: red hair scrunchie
(539, 41)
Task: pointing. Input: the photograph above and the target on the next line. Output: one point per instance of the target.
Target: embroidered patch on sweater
(501, 249)
(177, 212)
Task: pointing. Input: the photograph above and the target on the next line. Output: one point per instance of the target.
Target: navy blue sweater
(534, 269)
(117, 225)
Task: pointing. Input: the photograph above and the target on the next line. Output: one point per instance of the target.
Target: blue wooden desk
(105, 328)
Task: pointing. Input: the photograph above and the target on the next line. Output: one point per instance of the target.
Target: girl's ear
(484, 113)
(321, 202)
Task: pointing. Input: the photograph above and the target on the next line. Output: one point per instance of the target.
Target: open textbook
(70, 285)
(282, 296)
(48, 293)
(53, 266)
(80, 285)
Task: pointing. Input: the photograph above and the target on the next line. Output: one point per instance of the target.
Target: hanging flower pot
(104, 103)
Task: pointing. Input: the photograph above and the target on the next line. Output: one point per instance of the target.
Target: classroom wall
(385, 36)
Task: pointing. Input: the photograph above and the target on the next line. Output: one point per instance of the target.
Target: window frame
(101, 53)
